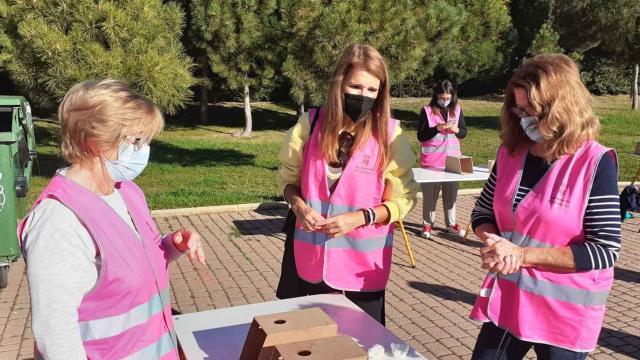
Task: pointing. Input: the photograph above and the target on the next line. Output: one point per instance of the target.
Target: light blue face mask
(130, 162)
(530, 126)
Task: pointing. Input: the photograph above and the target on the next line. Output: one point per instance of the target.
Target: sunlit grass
(202, 165)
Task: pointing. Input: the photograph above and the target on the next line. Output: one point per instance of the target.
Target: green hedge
(605, 76)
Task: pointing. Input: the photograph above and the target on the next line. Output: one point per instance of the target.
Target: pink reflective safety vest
(128, 313)
(544, 306)
(434, 151)
(360, 260)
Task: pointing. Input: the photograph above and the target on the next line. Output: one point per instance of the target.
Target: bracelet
(373, 216)
(367, 216)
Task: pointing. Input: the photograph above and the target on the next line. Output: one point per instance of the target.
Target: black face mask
(357, 106)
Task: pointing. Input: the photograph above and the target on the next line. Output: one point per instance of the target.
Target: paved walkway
(426, 306)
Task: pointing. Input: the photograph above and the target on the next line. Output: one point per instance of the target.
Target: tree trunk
(300, 109)
(634, 87)
(247, 112)
(204, 103)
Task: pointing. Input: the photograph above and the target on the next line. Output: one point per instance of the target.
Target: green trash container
(17, 152)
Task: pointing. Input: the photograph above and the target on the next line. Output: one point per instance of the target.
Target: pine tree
(611, 26)
(237, 37)
(316, 34)
(47, 46)
(546, 41)
(527, 16)
(481, 42)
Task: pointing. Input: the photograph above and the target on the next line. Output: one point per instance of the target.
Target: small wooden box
(459, 164)
(267, 331)
(334, 348)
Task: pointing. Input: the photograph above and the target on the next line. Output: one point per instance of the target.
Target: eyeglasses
(137, 142)
(520, 112)
(345, 143)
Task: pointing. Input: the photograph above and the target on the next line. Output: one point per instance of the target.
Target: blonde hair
(561, 102)
(99, 115)
(365, 57)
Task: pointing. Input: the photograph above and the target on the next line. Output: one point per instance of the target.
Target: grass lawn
(202, 165)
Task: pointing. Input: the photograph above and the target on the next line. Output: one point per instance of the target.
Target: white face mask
(444, 103)
(530, 126)
(130, 162)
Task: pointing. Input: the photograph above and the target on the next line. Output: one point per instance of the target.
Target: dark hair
(444, 87)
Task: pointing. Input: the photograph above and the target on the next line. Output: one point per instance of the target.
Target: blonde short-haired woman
(550, 219)
(96, 263)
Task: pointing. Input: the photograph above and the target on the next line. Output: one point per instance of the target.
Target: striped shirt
(602, 215)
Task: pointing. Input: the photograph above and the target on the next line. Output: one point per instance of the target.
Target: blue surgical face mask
(530, 126)
(130, 163)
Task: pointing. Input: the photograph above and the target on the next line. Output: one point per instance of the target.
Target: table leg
(466, 232)
(406, 244)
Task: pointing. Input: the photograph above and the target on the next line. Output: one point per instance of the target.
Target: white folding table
(219, 334)
(422, 176)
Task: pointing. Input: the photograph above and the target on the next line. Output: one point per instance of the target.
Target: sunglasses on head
(345, 143)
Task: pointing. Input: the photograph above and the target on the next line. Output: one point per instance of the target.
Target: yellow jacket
(398, 171)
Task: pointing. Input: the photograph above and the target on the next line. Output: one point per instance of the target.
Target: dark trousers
(494, 343)
(290, 284)
(370, 302)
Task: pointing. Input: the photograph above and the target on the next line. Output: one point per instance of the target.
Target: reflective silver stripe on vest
(117, 324)
(156, 350)
(440, 137)
(433, 149)
(555, 291)
(323, 207)
(344, 242)
(524, 240)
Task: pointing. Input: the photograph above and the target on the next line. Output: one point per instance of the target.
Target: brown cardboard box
(293, 326)
(459, 164)
(340, 347)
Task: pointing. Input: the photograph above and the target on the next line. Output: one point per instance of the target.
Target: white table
(429, 175)
(220, 334)
(423, 176)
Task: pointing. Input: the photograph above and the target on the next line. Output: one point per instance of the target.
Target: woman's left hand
(454, 129)
(501, 255)
(341, 224)
(189, 241)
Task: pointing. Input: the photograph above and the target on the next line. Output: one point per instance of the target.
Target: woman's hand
(454, 129)
(341, 224)
(442, 126)
(501, 255)
(189, 241)
(310, 219)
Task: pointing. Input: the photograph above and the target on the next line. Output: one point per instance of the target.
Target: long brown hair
(357, 56)
(561, 101)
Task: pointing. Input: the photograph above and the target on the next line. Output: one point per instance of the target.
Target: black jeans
(370, 302)
(493, 342)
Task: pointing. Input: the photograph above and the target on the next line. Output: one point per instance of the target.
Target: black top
(425, 132)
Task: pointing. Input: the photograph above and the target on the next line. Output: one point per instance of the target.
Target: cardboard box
(267, 331)
(459, 164)
(334, 348)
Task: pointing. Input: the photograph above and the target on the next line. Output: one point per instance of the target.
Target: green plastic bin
(17, 152)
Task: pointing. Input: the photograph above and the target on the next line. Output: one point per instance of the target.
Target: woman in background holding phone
(439, 130)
